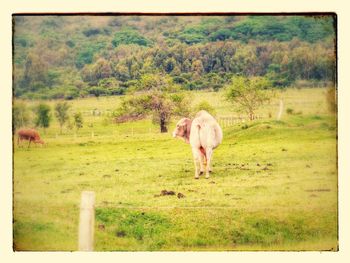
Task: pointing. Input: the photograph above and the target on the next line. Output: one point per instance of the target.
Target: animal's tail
(201, 148)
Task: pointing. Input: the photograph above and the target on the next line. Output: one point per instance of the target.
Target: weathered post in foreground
(87, 221)
(279, 115)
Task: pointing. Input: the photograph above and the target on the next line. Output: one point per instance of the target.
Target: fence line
(231, 121)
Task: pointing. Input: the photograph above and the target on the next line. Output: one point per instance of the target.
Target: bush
(289, 111)
(43, 116)
(97, 91)
(204, 105)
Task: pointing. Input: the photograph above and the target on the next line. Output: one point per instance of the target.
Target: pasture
(273, 187)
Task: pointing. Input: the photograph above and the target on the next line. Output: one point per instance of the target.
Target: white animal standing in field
(204, 134)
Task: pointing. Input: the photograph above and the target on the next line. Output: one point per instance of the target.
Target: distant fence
(97, 112)
(231, 121)
(132, 130)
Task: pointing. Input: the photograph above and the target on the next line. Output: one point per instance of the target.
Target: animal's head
(183, 129)
(40, 141)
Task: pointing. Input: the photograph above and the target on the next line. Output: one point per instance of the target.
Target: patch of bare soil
(166, 192)
(180, 195)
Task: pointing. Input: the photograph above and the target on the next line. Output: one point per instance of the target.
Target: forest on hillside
(57, 56)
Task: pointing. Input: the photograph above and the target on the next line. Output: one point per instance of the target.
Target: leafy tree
(43, 116)
(20, 115)
(248, 93)
(78, 120)
(128, 36)
(154, 95)
(61, 113)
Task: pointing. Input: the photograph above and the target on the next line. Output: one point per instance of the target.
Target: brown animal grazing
(30, 135)
(204, 134)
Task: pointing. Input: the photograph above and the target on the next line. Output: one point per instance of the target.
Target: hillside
(77, 56)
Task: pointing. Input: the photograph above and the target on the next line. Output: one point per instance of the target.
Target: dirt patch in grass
(180, 195)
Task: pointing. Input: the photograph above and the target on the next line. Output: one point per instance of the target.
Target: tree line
(41, 116)
(70, 57)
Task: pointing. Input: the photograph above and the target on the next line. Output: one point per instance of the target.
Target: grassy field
(274, 185)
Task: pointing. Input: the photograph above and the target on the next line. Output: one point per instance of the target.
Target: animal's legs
(209, 154)
(197, 159)
(30, 140)
(202, 163)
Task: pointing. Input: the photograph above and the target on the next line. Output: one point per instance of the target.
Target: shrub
(204, 105)
(290, 111)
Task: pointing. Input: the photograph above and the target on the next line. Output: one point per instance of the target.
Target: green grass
(274, 185)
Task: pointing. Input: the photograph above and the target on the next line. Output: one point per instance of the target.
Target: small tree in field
(154, 95)
(61, 113)
(204, 105)
(20, 115)
(248, 93)
(43, 116)
(78, 120)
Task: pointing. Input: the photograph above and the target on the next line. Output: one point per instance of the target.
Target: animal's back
(28, 133)
(204, 116)
(209, 131)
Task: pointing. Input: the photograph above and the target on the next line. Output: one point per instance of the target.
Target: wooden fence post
(279, 115)
(87, 221)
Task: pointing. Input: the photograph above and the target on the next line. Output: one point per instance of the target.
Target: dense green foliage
(43, 116)
(75, 56)
(129, 37)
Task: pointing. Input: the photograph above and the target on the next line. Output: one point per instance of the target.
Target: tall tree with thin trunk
(248, 93)
(78, 120)
(61, 113)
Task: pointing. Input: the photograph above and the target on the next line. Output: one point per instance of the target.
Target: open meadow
(273, 187)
